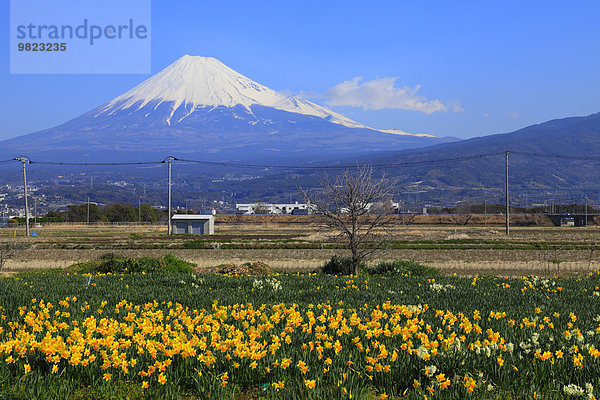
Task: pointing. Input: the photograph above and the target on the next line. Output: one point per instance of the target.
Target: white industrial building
(271, 208)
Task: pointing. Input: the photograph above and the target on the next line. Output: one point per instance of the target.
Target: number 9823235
(47, 46)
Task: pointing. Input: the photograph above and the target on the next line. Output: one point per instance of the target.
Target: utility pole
(485, 212)
(25, 161)
(88, 210)
(586, 214)
(169, 159)
(139, 211)
(35, 212)
(507, 201)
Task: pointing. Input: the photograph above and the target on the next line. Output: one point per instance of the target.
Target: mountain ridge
(575, 137)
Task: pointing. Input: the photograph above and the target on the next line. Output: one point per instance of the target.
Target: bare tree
(356, 207)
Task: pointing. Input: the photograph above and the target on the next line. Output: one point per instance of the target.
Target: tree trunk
(355, 257)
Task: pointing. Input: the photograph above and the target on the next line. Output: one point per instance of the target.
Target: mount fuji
(199, 107)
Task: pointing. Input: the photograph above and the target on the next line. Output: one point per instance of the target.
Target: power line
(92, 164)
(311, 167)
(346, 166)
(266, 166)
(582, 158)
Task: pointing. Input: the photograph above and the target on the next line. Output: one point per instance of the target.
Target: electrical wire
(347, 166)
(92, 164)
(263, 166)
(556, 156)
(310, 167)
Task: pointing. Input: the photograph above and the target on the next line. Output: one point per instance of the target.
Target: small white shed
(193, 224)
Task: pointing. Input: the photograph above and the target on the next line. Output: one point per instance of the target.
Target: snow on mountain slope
(195, 82)
(402, 133)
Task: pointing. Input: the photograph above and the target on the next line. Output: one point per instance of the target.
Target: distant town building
(394, 208)
(298, 208)
(271, 208)
(567, 221)
(193, 224)
(570, 219)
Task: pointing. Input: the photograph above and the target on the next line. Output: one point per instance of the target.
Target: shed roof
(192, 216)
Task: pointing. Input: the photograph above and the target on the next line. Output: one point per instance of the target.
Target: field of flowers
(169, 336)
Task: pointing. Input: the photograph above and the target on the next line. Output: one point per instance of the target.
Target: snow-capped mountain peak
(194, 81)
(200, 108)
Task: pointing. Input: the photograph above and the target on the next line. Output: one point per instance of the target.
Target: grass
(446, 304)
(298, 247)
(402, 267)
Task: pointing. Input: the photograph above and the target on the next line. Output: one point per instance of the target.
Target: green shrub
(121, 265)
(340, 266)
(174, 264)
(117, 264)
(402, 267)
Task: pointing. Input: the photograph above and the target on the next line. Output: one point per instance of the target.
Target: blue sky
(467, 68)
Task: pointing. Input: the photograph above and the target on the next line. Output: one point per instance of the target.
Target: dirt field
(298, 243)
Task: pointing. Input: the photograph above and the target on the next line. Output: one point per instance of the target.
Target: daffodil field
(169, 336)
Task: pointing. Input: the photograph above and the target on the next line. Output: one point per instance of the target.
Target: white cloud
(513, 115)
(382, 93)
